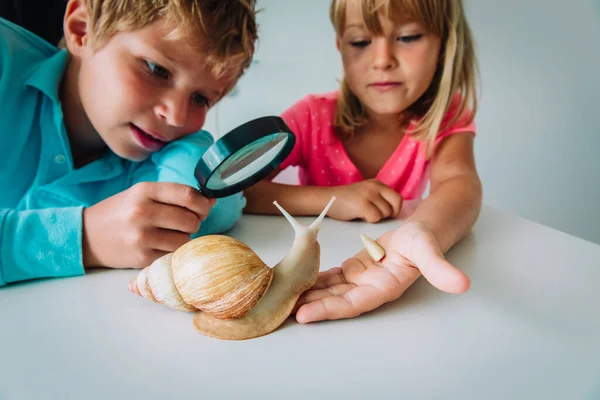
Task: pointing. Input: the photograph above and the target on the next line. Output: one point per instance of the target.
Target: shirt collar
(47, 75)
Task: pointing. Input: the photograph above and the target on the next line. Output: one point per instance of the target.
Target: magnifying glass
(244, 156)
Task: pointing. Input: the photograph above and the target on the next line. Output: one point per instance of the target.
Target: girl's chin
(386, 111)
(385, 107)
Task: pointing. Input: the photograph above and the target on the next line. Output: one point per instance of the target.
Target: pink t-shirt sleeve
(464, 123)
(298, 118)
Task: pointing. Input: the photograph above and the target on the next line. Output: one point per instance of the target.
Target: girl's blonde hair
(456, 72)
(226, 29)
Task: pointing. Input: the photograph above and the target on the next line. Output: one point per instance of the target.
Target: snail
(238, 295)
(234, 293)
(374, 249)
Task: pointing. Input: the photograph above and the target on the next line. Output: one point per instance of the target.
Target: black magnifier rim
(234, 141)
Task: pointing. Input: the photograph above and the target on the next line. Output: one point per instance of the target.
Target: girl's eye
(361, 44)
(410, 38)
(157, 70)
(200, 99)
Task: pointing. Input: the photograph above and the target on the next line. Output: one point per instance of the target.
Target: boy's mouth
(147, 141)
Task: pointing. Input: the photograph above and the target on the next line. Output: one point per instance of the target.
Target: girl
(402, 117)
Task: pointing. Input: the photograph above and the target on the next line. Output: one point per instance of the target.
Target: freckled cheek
(133, 92)
(419, 66)
(355, 70)
(428, 58)
(98, 91)
(196, 121)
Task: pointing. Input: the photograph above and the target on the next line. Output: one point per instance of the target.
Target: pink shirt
(323, 161)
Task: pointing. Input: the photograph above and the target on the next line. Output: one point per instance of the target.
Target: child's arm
(297, 200)
(40, 244)
(370, 200)
(454, 202)
(415, 248)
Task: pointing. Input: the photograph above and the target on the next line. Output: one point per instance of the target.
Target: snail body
(234, 293)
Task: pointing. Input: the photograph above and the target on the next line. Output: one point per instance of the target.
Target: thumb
(430, 260)
(424, 254)
(443, 275)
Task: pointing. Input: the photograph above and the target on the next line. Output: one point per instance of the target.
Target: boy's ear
(76, 27)
(337, 43)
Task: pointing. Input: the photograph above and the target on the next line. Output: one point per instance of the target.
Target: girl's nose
(384, 57)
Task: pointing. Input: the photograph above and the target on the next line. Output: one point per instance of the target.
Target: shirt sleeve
(299, 118)
(43, 243)
(464, 123)
(176, 163)
(40, 244)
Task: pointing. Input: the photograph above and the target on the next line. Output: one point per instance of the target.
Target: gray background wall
(538, 141)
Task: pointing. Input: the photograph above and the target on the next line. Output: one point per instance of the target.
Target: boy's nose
(173, 109)
(384, 57)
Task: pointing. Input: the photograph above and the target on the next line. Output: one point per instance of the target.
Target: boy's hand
(362, 285)
(370, 200)
(135, 227)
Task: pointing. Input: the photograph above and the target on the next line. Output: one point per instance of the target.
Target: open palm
(361, 284)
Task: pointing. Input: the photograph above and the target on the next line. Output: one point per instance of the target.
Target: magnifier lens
(247, 161)
(244, 156)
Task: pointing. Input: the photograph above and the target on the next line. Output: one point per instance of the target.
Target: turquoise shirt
(42, 195)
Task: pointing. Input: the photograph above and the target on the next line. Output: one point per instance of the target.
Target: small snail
(237, 294)
(374, 249)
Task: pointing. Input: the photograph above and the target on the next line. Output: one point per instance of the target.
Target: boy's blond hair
(456, 72)
(227, 29)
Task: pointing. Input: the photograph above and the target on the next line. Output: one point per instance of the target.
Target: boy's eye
(157, 70)
(360, 43)
(410, 38)
(200, 99)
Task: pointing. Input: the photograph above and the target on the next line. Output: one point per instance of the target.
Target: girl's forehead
(377, 24)
(368, 14)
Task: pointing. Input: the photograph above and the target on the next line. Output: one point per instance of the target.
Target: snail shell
(215, 274)
(220, 275)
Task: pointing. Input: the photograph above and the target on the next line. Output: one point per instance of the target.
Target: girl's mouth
(385, 86)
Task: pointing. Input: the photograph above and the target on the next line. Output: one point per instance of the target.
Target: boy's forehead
(172, 40)
(185, 50)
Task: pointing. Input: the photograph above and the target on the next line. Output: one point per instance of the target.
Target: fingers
(372, 213)
(178, 195)
(324, 309)
(354, 268)
(311, 296)
(394, 199)
(354, 302)
(384, 202)
(385, 209)
(165, 241)
(174, 218)
(330, 277)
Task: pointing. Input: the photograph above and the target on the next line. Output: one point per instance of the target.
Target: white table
(529, 328)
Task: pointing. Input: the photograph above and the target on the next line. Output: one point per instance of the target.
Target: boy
(100, 140)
